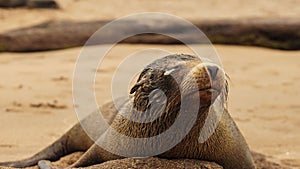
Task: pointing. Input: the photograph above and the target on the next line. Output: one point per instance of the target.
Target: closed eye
(168, 72)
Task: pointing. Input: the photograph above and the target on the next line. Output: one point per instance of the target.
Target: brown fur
(226, 146)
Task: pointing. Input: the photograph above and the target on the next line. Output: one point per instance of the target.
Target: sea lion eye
(168, 72)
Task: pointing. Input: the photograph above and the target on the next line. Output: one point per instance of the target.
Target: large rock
(145, 163)
(261, 162)
(151, 163)
(12, 3)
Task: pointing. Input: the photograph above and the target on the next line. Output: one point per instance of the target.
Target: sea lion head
(179, 77)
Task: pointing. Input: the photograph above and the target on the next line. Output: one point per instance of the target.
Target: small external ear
(134, 88)
(139, 81)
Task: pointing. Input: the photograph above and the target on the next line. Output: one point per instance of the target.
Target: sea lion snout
(217, 76)
(207, 76)
(205, 81)
(212, 70)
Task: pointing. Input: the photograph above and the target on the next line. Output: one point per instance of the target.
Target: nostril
(212, 70)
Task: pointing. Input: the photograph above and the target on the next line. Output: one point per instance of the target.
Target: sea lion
(173, 75)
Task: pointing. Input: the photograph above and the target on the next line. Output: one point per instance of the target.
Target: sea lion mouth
(206, 95)
(208, 89)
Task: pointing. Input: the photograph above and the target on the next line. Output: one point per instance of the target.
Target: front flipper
(74, 140)
(95, 155)
(66, 144)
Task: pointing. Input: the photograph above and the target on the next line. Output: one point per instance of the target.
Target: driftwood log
(29, 3)
(272, 33)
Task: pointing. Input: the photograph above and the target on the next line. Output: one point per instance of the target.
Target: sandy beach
(36, 104)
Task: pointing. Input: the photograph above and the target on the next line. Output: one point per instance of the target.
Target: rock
(149, 163)
(260, 160)
(145, 163)
(12, 3)
(42, 4)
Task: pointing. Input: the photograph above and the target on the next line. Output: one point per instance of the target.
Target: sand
(263, 99)
(36, 103)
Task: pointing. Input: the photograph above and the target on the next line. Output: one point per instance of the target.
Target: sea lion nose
(212, 70)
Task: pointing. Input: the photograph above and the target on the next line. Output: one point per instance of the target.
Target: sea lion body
(173, 75)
